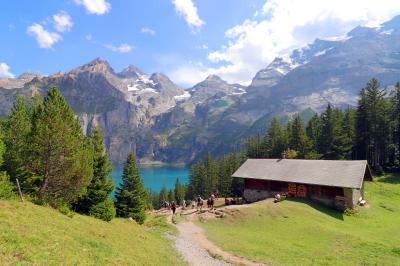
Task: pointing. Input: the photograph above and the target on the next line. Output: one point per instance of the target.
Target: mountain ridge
(161, 121)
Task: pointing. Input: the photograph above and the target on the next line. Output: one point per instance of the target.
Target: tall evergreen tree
(101, 184)
(130, 197)
(163, 195)
(348, 134)
(235, 160)
(325, 141)
(298, 140)
(58, 151)
(377, 123)
(313, 131)
(17, 128)
(396, 124)
(197, 179)
(171, 195)
(225, 177)
(362, 135)
(255, 147)
(179, 191)
(211, 181)
(2, 147)
(276, 140)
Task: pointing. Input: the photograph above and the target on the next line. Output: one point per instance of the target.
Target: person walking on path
(193, 203)
(199, 203)
(173, 207)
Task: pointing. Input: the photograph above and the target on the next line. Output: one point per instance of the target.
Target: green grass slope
(301, 233)
(35, 235)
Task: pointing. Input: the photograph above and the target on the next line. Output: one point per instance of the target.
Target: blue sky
(185, 39)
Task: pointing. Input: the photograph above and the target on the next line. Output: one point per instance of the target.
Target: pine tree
(179, 191)
(101, 184)
(171, 195)
(338, 145)
(163, 195)
(276, 140)
(396, 124)
(348, 134)
(362, 135)
(298, 140)
(313, 130)
(58, 151)
(373, 125)
(2, 147)
(254, 147)
(17, 128)
(211, 181)
(155, 200)
(235, 160)
(225, 177)
(198, 179)
(377, 117)
(326, 136)
(130, 197)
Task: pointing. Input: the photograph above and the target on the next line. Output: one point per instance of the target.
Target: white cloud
(62, 21)
(44, 38)
(123, 48)
(89, 37)
(189, 74)
(282, 25)
(5, 71)
(148, 31)
(98, 7)
(202, 47)
(188, 11)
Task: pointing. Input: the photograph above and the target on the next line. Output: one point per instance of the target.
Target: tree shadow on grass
(392, 178)
(321, 208)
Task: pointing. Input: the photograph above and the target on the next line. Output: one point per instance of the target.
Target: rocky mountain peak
(361, 31)
(391, 26)
(131, 72)
(96, 65)
(214, 78)
(158, 76)
(29, 76)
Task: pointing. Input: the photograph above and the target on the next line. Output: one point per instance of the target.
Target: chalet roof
(348, 174)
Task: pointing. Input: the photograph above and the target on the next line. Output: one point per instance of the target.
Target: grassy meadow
(303, 233)
(35, 235)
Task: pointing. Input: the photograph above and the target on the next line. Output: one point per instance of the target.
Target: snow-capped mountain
(163, 122)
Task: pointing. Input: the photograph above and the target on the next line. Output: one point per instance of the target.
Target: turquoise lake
(156, 176)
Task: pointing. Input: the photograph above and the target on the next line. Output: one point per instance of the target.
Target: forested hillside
(371, 131)
(46, 157)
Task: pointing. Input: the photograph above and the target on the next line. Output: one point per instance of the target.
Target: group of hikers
(197, 202)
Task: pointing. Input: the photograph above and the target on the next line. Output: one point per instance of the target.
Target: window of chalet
(279, 186)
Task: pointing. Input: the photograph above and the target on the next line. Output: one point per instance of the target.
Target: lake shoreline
(156, 176)
(156, 163)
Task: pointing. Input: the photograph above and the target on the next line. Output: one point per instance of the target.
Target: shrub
(64, 209)
(104, 210)
(39, 201)
(291, 154)
(6, 187)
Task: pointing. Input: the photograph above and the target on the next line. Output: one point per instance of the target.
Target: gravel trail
(195, 248)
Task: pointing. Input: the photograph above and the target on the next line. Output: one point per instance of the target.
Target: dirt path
(192, 252)
(196, 248)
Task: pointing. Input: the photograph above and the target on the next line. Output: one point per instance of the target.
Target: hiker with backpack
(173, 207)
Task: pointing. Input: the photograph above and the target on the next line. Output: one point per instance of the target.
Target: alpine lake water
(156, 176)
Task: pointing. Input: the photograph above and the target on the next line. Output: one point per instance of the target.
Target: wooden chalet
(338, 184)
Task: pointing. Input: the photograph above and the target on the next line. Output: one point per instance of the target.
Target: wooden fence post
(19, 191)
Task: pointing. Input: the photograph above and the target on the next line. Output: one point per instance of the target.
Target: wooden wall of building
(256, 189)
